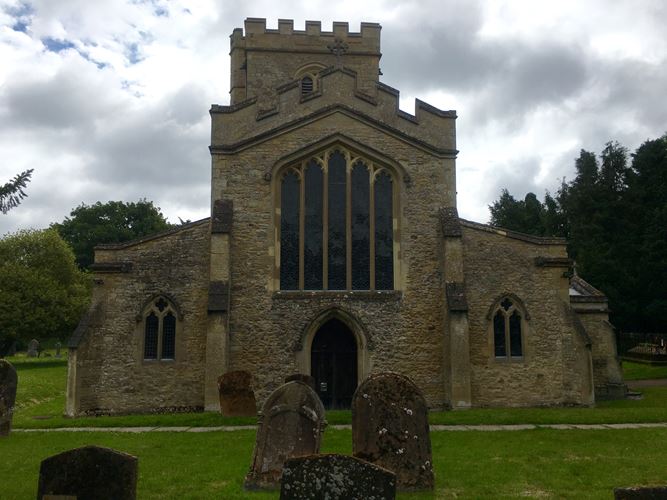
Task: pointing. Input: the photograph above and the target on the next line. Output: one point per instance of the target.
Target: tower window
(306, 85)
(336, 222)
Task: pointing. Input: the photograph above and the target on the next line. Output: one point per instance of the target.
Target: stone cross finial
(338, 48)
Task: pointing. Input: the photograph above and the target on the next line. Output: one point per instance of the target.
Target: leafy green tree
(42, 292)
(614, 214)
(12, 192)
(111, 222)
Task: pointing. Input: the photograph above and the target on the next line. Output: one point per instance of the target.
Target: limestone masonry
(334, 249)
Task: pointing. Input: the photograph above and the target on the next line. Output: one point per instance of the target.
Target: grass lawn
(541, 463)
(641, 371)
(41, 402)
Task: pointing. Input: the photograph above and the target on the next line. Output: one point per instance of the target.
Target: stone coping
(433, 428)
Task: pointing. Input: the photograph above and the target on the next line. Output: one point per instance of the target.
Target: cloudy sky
(108, 99)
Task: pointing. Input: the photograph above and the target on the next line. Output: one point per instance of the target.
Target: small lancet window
(306, 85)
(159, 330)
(507, 330)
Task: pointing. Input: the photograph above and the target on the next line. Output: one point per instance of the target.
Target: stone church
(334, 248)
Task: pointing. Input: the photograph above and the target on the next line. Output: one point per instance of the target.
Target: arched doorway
(333, 364)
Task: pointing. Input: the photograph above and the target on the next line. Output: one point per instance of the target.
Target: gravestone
(8, 383)
(302, 377)
(641, 493)
(89, 473)
(58, 347)
(33, 348)
(236, 396)
(335, 477)
(290, 425)
(390, 429)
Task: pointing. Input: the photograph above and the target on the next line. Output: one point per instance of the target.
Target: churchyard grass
(642, 371)
(541, 463)
(40, 402)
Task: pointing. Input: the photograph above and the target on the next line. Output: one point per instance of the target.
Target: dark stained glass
(150, 336)
(312, 236)
(168, 336)
(289, 232)
(360, 228)
(384, 234)
(515, 335)
(499, 335)
(337, 204)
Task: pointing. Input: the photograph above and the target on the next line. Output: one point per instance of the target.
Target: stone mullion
(348, 221)
(325, 222)
(396, 233)
(302, 223)
(371, 216)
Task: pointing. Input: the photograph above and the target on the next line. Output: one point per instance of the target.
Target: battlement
(255, 27)
(242, 124)
(264, 59)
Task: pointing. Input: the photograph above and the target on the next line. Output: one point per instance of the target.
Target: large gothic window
(336, 224)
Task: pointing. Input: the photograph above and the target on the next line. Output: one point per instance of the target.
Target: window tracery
(336, 213)
(159, 330)
(508, 330)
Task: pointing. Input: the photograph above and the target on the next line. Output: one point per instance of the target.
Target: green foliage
(12, 192)
(614, 214)
(111, 222)
(42, 292)
(529, 215)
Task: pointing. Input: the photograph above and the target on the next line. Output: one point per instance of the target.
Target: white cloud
(123, 112)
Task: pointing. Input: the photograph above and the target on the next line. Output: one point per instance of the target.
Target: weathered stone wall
(110, 374)
(550, 371)
(404, 329)
(606, 364)
(263, 59)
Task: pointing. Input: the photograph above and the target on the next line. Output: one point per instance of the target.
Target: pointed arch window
(159, 330)
(508, 330)
(336, 218)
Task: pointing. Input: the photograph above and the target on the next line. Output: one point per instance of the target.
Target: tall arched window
(507, 330)
(336, 225)
(159, 330)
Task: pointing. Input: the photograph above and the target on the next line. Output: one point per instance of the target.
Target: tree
(614, 215)
(12, 192)
(111, 222)
(42, 292)
(529, 216)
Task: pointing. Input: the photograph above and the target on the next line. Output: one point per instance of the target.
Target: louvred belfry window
(336, 214)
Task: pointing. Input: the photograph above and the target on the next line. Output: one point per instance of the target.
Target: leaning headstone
(8, 383)
(335, 477)
(290, 425)
(641, 493)
(390, 429)
(58, 347)
(91, 472)
(236, 396)
(33, 348)
(301, 377)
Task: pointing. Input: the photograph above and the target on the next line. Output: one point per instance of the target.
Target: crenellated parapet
(241, 125)
(263, 59)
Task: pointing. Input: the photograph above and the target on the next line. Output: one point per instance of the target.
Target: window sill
(512, 359)
(342, 295)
